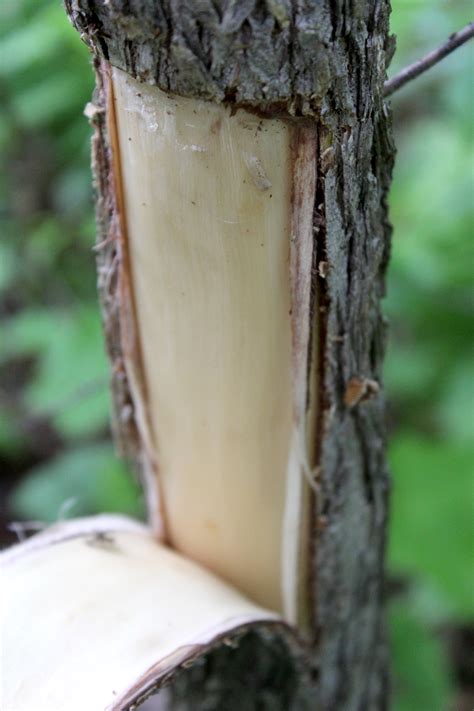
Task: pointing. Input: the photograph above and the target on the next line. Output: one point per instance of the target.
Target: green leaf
(38, 40)
(420, 671)
(72, 380)
(91, 476)
(433, 517)
(48, 100)
(29, 331)
(71, 383)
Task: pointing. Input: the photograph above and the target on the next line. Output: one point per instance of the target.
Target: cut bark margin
(227, 198)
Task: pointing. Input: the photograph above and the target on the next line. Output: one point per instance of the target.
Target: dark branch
(413, 70)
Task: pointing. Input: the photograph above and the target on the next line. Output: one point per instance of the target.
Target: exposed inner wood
(212, 223)
(110, 610)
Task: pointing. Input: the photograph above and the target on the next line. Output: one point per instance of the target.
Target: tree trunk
(320, 65)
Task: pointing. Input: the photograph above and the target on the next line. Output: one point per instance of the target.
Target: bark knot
(360, 390)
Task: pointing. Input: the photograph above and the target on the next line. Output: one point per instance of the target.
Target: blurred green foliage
(54, 399)
(429, 373)
(54, 439)
(87, 477)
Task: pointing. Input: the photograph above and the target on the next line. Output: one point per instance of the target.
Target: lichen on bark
(324, 60)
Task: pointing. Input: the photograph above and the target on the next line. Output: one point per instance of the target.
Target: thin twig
(19, 528)
(413, 70)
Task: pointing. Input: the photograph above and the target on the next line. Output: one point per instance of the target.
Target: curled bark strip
(132, 430)
(132, 621)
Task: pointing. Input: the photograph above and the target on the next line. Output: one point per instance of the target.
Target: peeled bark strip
(110, 617)
(319, 67)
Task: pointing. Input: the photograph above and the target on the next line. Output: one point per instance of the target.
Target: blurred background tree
(56, 454)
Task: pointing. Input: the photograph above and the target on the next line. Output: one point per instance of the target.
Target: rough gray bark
(326, 60)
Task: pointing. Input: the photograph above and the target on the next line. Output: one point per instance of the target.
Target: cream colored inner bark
(207, 206)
